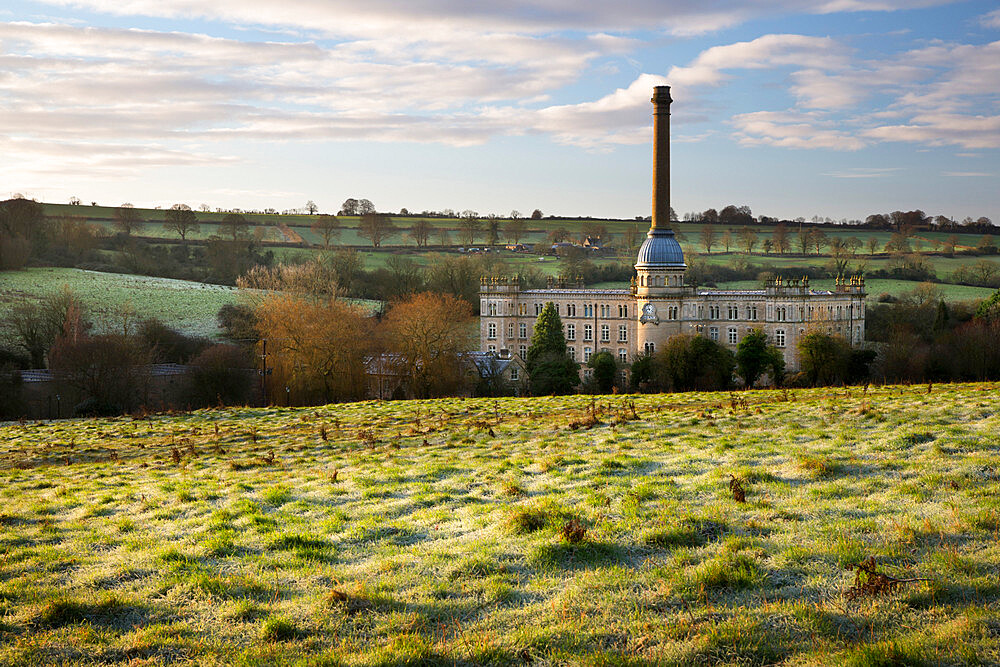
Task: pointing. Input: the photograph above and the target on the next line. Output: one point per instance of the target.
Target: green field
(511, 531)
(189, 307)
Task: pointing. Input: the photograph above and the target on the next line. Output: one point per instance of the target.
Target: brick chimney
(661, 157)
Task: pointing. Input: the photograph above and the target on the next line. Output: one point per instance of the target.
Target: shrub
(220, 375)
(167, 345)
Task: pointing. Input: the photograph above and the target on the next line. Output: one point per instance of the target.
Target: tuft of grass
(819, 466)
(278, 629)
(685, 532)
(732, 571)
(527, 520)
(277, 495)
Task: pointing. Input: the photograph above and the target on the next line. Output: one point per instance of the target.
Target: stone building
(658, 304)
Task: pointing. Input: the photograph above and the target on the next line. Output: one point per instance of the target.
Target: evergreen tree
(754, 356)
(550, 370)
(604, 367)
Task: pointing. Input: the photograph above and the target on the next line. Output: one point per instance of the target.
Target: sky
(836, 108)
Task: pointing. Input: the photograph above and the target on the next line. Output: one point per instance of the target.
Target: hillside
(442, 531)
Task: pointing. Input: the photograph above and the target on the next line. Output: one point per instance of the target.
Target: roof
(660, 250)
(155, 370)
(582, 290)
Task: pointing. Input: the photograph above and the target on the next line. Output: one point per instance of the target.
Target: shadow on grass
(110, 612)
(565, 556)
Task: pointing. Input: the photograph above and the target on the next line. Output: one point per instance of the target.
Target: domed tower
(660, 267)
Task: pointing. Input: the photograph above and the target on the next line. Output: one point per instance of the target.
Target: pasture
(189, 307)
(556, 530)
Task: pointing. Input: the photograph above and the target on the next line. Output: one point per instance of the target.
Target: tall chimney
(661, 157)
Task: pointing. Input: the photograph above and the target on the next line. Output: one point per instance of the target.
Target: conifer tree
(550, 369)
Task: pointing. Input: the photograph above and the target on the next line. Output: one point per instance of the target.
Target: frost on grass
(408, 534)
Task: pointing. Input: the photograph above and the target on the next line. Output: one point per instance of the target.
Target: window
(570, 332)
(623, 355)
(492, 349)
(605, 311)
(713, 333)
(522, 351)
(623, 375)
(779, 337)
(731, 333)
(838, 312)
(672, 312)
(588, 332)
(522, 330)
(605, 333)
(491, 330)
(515, 373)
(588, 310)
(538, 308)
(623, 310)
(491, 309)
(751, 312)
(570, 310)
(572, 352)
(510, 330)
(733, 312)
(588, 373)
(522, 309)
(650, 348)
(622, 333)
(587, 351)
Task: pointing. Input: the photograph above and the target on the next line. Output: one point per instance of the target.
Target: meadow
(189, 307)
(552, 530)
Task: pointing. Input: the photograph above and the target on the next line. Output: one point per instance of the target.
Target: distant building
(658, 304)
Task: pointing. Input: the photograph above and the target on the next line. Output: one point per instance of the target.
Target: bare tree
(420, 232)
(181, 220)
(311, 207)
(470, 225)
(126, 219)
(708, 237)
(349, 207)
(748, 238)
(327, 227)
(375, 227)
(514, 229)
(365, 207)
(235, 226)
(779, 237)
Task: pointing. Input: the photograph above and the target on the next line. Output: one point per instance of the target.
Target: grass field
(514, 531)
(189, 307)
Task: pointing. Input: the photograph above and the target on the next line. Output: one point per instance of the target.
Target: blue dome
(660, 249)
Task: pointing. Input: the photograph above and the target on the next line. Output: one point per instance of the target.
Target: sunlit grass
(441, 544)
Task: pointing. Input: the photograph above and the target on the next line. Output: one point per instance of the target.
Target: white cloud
(863, 172)
(991, 19)
(791, 129)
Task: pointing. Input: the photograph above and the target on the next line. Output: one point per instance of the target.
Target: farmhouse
(658, 304)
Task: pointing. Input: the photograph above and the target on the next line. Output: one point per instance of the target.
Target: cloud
(791, 129)
(964, 174)
(991, 19)
(436, 20)
(974, 132)
(863, 172)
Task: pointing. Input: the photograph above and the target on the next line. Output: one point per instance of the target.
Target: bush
(222, 374)
(167, 345)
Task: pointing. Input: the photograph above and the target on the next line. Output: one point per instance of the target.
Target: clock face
(649, 310)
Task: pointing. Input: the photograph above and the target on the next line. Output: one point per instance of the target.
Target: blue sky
(836, 108)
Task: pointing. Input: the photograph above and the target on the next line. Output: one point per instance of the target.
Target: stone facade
(658, 305)
(631, 322)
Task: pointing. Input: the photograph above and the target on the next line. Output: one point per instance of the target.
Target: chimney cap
(661, 94)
